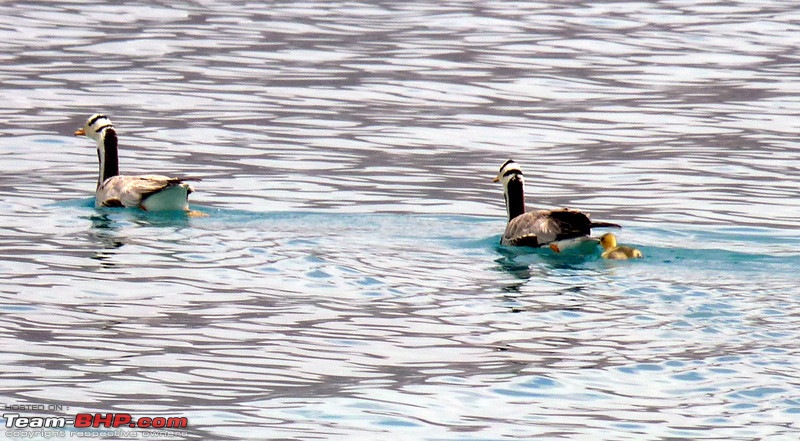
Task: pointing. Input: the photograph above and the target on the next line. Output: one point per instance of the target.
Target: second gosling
(611, 251)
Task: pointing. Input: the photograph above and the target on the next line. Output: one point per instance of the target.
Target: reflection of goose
(148, 192)
(103, 233)
(558, 229)
(611, 251)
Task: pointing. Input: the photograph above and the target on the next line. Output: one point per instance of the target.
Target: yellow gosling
(611, 251)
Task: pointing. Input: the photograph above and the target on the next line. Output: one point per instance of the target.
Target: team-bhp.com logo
(97, 420)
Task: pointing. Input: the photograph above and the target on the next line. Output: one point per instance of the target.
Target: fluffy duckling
(612, 251)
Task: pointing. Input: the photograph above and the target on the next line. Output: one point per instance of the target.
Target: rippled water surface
(347, 281)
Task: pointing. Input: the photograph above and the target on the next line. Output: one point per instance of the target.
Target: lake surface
(347, 281)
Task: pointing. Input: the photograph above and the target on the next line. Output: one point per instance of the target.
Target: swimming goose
(558, 229)
(148, 192)
(611, 251)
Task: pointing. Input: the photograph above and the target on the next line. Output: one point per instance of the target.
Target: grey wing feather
(538, 228)
(536, 224)
(130, 190)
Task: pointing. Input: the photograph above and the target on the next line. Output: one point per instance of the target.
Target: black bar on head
(94, 120)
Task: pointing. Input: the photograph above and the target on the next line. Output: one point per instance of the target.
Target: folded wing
(132, 191)
(541, 227)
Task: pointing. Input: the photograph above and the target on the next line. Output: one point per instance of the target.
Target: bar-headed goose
(558, 229)
(148, 192)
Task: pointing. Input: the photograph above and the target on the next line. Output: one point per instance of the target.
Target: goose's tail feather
(179, 179)
(604, 225)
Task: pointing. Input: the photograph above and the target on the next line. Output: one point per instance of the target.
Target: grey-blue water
(347, 281)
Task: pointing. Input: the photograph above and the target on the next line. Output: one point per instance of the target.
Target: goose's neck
(108, 155)
(515, 197)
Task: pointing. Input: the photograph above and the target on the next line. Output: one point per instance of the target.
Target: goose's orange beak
(79, 132)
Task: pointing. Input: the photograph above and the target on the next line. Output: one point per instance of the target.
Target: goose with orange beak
(556, 229)
(148, 192)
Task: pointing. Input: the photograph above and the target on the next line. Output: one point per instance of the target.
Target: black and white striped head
(99, 128)
(513, 188)
(95, 127)
(509, 171)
